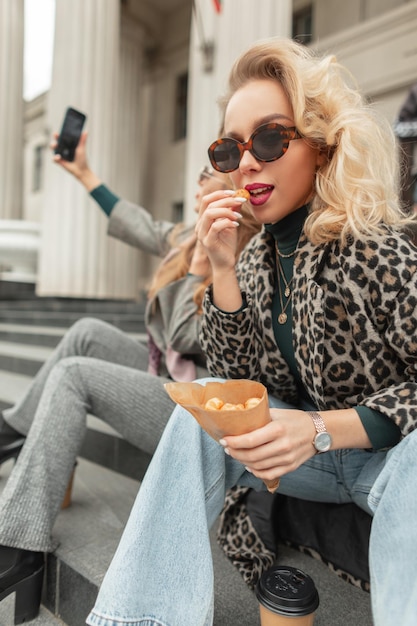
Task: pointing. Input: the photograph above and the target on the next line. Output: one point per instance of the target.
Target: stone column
(11, 108)
(240, 23)
(77, 257)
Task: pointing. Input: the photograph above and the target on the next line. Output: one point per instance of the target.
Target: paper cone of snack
(233, 407)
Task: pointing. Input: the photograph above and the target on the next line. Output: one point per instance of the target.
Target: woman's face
(278, 187)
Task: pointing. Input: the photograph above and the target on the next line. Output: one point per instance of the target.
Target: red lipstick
(259, 193)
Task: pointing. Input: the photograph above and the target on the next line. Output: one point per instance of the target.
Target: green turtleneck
(286, 234)
(381, 431)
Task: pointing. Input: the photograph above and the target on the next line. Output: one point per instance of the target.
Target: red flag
(218, 5)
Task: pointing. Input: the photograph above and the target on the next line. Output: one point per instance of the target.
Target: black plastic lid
(287, 591)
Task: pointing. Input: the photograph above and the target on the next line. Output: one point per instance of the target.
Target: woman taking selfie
(322, 309)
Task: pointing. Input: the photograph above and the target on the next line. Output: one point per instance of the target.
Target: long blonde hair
(357, 188)
(177, 264)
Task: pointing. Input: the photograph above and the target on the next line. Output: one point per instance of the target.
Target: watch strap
(318, 421)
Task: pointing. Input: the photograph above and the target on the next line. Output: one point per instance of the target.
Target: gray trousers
(95, 369)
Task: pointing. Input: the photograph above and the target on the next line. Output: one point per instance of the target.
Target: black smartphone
(70, 134)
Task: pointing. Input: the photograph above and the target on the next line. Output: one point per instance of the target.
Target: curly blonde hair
(357, 187)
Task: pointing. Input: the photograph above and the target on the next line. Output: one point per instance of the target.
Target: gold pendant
(287, 292)
(282, 318)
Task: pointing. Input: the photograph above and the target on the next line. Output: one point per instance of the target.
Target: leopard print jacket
(354, 325)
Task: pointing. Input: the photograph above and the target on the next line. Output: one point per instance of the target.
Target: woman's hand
(216, 228)
(79, 166)
(287, 441)
(276, 449)
(216, 231)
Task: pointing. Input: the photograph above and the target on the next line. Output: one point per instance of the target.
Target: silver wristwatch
(323, 440)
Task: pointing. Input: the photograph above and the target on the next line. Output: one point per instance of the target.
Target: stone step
(21, 358)
(130, 322)
(12, 387)
(45, 617)
(47, 336)
(105, 447)
(83, 305)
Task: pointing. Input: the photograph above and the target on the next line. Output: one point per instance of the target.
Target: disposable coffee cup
(287, 597)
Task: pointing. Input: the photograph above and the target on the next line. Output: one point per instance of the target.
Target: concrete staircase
(106, 482)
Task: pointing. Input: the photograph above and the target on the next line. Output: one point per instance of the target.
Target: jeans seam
(213, 488)
(107, 620)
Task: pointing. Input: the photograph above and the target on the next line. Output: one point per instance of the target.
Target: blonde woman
(322, 309)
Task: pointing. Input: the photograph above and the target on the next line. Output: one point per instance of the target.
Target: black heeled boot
(11, 442)
(21, 571)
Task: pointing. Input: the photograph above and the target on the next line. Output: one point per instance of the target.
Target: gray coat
(171, 317)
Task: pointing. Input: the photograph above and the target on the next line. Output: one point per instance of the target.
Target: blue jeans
(162, 574)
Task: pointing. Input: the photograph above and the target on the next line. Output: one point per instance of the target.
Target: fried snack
(214, 404)
(251, 402)
(228, 406)
(242, 193)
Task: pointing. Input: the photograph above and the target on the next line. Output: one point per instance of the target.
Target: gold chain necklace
(284, 256)
(282, 317)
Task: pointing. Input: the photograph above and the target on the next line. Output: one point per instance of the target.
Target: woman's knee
(86, 326)
(66, 371)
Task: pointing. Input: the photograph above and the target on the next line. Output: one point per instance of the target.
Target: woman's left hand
(276, 449)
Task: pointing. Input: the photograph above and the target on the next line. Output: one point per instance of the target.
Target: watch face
(322, 442)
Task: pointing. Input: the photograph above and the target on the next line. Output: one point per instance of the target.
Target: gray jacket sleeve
(175, 320)
(135, 226)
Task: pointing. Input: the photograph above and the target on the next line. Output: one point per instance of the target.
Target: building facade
(148, 74)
